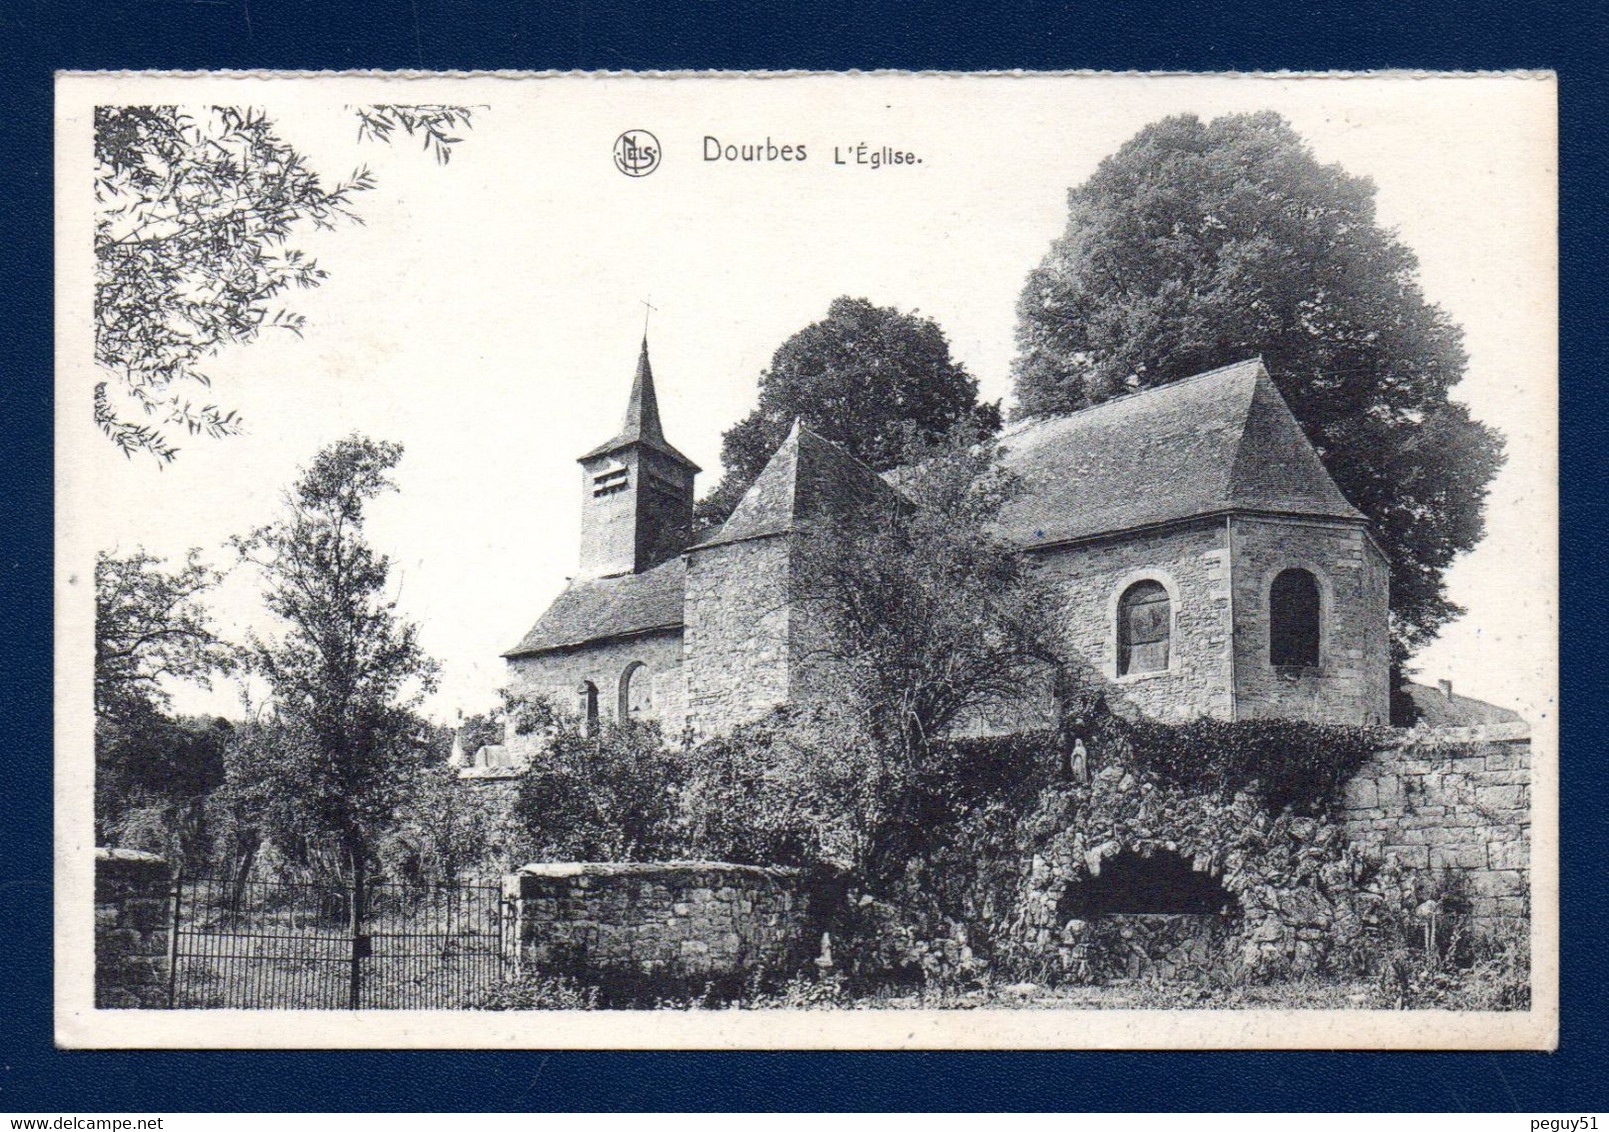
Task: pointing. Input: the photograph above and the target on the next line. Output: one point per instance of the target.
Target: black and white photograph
(762, 560)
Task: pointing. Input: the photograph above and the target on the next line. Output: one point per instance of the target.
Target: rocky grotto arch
(1148, 914)
(1129, 883)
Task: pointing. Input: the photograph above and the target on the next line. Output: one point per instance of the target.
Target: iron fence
(321, 946)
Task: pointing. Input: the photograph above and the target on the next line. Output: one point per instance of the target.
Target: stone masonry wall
(558, 676)
(1206, 677)
(1352, 682)
(1452, 802)
(636, 928)
(736, 642)
(131, 929)
(1192, 563)
(609, 522)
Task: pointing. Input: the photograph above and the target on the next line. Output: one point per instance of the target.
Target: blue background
(37, 37)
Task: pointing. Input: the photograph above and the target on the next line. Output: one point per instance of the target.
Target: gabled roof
(1437, 707)
(594, 609)
(1221, 441)
(642, 425)
(805, 478)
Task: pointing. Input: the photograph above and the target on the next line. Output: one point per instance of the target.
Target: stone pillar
(133, 914)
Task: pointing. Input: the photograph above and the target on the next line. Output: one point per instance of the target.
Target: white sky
(487, 314)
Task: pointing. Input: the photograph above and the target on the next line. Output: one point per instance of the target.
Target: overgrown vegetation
(606, 796)
(1289, 763)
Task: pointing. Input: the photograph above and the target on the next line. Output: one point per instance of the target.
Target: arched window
(1293, 620)
(588, 707)
(636, 692)
(1143, 629)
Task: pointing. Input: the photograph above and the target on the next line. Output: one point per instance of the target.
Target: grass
(547, 992)
(289, 958)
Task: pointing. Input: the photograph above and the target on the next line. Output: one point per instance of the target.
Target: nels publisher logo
(636, 153)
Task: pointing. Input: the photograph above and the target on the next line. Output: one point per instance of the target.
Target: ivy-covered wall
(1227, 868)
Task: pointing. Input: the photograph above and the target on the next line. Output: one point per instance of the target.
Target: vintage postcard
(807, 560)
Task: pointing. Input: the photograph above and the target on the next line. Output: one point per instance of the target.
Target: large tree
(1199, 244)
(925, 617)
(924, 621)
(865, 377)
(196, 211)
(347, 670)
(151, 630)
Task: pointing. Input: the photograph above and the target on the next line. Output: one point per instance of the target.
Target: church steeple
(642, 411)
(636, 489)
(642, 425)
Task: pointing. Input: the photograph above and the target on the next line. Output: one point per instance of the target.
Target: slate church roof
(642, 424)
(804, 478)
(595, 609)
(1439, 707)
(1217, 442)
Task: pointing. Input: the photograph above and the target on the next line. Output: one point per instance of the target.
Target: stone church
(1208, 564)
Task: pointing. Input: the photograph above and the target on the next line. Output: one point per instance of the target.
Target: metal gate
(319, 946)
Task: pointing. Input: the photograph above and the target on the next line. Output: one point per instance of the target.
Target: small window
(1293, 620)
(1143, 629)
(636, 692)
(588, 707)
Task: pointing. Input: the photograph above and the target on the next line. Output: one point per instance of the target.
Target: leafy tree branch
(196, 213)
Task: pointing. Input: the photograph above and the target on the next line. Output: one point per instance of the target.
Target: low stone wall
(662, 927)
(1451, 804)
(131, 929)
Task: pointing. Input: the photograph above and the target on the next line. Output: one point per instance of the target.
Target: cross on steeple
(648, 309)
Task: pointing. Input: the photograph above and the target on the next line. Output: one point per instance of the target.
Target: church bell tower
(636, 490)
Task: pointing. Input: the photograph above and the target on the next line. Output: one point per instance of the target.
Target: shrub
(608, 796)
(799, 787)
(1440, 958)
(444, 830)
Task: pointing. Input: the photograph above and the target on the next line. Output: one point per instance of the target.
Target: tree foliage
(1199, 244)
(799, 787)
(346, 672)
(151, 628)
(192, 250)
(914, 620)
(865, 377)
(437, 127)
(924, 616)
(605, 794)
(153, 775)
